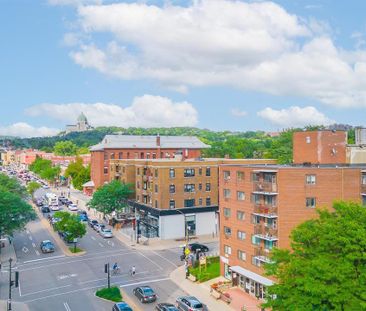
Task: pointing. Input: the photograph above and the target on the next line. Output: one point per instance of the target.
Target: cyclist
(115, 268)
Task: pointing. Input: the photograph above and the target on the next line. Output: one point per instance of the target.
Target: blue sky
(217, 64)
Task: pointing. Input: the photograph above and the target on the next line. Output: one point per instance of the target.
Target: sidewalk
(6, 253)
(18, 306)
(200, 291)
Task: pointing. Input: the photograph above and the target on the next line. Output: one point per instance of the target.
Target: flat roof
(275, 167)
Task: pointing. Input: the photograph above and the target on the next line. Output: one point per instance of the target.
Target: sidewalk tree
(32, 187)
(111, 197)
(65, 148)
(78, 172)
(326, 266)
(12, 185)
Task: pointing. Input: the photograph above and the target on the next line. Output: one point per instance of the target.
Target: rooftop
(148, 142)
(299, 166)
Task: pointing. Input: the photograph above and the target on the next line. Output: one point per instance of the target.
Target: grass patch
(112, 294)
(75, 250)
(212, 271)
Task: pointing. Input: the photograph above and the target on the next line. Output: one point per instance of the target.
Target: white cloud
(238, 112)
(145, 111)
(74, 2)
(254, 46)
(295, 116)
(22, 129)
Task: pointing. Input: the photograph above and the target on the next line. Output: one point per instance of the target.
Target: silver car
(106, 233)
(189, 303)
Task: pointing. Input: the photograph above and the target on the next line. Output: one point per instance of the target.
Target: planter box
(214, 293)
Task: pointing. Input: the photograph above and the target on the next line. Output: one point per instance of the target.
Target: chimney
(158, 140)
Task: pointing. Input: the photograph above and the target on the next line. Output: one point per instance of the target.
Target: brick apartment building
(139, 147)
(260, 205)
(174, 197)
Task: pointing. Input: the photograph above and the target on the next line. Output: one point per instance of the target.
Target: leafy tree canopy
(78, 173)
(32, 187)
(71, 224)
(111, 197)
(326, 266)
(44, 169)
(65, 148)
(12, 185)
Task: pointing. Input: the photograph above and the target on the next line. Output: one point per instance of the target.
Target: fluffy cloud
(295, 116)
(22, 129)
(238, 113)
(145, 111)
(255, 46)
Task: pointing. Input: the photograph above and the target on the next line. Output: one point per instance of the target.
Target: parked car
(195, 246)
(166, 307)
(73, 207)
(121, 306)
(55, 208)
(62, 200)
(47, 246)
(68, 202)
(145, 294)
(92, 222)
(189, 303)
(106, 233)
(80, 212)
(66, 237)
(98, 227)
(45, 209)
(45, 187)
(83, 217)
(39, 203)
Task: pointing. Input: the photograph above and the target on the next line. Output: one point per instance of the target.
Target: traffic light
(16, 278)
(106, 268)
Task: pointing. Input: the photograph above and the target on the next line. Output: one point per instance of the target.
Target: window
(112, 156)
(189, 203)
(256, 199)
(242, 255)
(200, 171)
(172, 173)
(227, 250)
(105, 156)
(227, 230)
(208, 171)
(171, 204)
(105, 170)
(142, 156)
(172, 189)
(310, 202)
(148, 155)
(240, 215)
(310, 179)
(200, 186)
(240, 195)
(208, 201)
(269, 244)
(200, 202)
(241, 235)
(120, 155)
(255, 177)
(256, 219)
(270, 200)
(154, 155)
(156, 173)
(363, 179)
(167, 155)
(189, 188)
(156, 204)
(240, 176)
(227, 212)
(189, 172)
(255, 240)
(156, 189)
(208, 186)
(226, 175)
(227, 193)
(308, 139)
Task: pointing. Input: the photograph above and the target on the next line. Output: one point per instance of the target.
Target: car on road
(106, 233)
(45, 187)
(55, 208)
(166, 307)
(196, 246)
(45, 209)
(62, 200)
(121, 306)
(39, 203)
(83, 217)
(68, 202)
(92, 222)
(47, 246)
(145, 294)
(189, 303)
(73, 207)
(98, 227)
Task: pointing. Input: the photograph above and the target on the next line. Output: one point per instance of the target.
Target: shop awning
(251, 275)
(89, 184)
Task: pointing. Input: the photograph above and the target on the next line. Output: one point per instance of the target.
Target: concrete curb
(125, 298)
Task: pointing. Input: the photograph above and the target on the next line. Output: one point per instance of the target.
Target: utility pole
(108, 271)
(10, 284)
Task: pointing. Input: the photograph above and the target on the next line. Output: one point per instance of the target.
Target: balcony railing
(266, 232)
(262, 254)
(265, 209)
(265, 186)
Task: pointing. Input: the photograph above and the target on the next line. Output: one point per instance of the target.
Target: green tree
(14, 213)
(71, 224)
(12, 185)
(51, 173)
(83, 150)
(39, 165)
(65, 148)
(78, 173)
(326, 266)
(32, 187)
(111, 197)
(281, 147)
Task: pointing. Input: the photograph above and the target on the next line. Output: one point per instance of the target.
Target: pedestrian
(133, 270)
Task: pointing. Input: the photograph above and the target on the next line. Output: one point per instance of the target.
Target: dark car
(45, 209)
(39, 203)
(92, 222)
(166, 307)
(47, 246)
(68, 202)
(145, 294)
(121, 306)
(196, 246)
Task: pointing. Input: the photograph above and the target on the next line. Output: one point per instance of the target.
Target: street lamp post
(10, 284)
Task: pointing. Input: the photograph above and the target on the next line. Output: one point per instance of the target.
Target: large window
(227, 193)
(112, 156)
(363, 179)
(227, 230)
(172, 189)
(208, 186)
(227, 250)
(240, 176)
(311, 202)
(227, 212)
(120, 155)
(241, 235)
(255, 240)
(200, 186)
(310, 179)
(242, 255)
(200, 202)
(189, 188)
(240, 215)
(105, 170)
(208, 171)
(156, 172)
(226, 175)
(156, 188)
(172, 173)
(240, 195)
(189, 203)
(171, 204)
(190, 224)
(189, 172)
(208, 201)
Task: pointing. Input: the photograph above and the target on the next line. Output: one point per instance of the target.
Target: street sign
(203, 260)
(187, 251)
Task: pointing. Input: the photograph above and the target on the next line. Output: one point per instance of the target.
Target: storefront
(252, 283)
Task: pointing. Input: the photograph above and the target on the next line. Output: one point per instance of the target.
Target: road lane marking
(37, 252)
(171, 262)
(110, 243)
(25, 250)
(149, 259)
(20, 292)
(142, 282)
(67, 306)
(33, 244)
(100, 244)
(46, 290)
(47, 258)
(120, 274)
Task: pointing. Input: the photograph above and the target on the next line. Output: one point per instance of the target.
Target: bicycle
(116, 271)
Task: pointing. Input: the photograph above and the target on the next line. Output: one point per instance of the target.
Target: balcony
(265, 210)
(265, 187)
(266, 232)
(262, 254)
